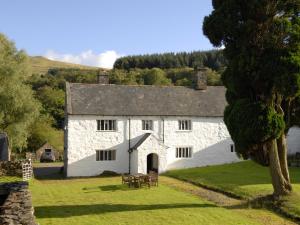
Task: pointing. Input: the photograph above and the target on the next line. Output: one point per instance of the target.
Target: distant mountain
(40, 65)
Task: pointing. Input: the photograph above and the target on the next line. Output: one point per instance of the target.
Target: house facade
(135, 129)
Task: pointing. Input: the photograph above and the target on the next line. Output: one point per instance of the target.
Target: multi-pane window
(147, 125)
(105, 155)
(185, 125)
(104, 125)
(184, 152)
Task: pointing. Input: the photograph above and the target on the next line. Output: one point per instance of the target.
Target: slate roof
(141, 141)
(147, 100)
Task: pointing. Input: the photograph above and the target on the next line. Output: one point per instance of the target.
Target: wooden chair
(145, 180)
(125, 179)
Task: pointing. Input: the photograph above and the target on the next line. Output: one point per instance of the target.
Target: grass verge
(245, 180)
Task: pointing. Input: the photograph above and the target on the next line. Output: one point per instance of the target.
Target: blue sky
(95, 32)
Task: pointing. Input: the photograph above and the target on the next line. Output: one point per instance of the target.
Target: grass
(41, 65)
(245, 179)
(8, 179)
(106, 201)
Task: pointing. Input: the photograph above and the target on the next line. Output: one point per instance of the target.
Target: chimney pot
(200, 78)
(102, 77)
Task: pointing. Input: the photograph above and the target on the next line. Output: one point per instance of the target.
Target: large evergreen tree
(262, 46)
(18, 108)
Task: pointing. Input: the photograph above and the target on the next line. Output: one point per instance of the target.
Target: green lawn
(245, 179)
(7, 179)
(106, 201)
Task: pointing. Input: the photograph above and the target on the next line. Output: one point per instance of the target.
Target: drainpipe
(163, 137)
(129, 144)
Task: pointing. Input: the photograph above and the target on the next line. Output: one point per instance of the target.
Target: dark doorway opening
(152, 162)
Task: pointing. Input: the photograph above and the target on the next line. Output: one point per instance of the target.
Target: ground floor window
(105, 155)
(184, 152)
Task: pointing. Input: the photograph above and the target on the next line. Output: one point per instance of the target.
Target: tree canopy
(18, 108)
(262, 46)
(213, 59)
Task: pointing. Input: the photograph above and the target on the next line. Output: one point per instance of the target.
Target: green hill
(40, 65)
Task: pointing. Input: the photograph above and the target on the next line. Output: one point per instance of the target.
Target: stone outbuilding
(49, 152)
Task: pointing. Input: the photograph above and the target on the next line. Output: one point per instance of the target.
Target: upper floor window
(184, 152)
(147, 125)
(185, 124)
(104, 125)
(105, 155)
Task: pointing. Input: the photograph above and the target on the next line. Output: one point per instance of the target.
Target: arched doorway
(152, 162)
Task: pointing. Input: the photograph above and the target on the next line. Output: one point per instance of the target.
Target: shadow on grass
(112, 188)
(64, 211)
(48, 173)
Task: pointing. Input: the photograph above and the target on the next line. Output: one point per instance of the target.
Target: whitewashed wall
(293, 140)
(209, 139)
(84, 140)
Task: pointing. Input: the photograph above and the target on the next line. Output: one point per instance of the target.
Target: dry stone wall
(17, 208)
(11, 168)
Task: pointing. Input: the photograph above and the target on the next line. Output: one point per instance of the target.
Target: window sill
(107, 131)
(183, 158)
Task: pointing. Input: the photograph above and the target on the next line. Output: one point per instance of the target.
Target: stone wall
(17, 208)
(11, 168)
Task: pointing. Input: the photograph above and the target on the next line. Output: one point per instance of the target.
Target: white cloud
(104, 60)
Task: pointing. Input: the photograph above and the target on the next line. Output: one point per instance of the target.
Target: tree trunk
(282, 153)
(280, 184)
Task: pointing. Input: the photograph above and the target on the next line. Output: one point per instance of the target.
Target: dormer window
(147, 125)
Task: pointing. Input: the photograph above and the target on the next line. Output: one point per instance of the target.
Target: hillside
(41, 65)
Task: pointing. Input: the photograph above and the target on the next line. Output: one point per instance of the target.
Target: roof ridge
(140, 85)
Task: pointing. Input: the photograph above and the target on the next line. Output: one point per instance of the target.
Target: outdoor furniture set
(139, 180)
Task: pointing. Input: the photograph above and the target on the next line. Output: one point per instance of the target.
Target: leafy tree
(18, 108)
(262, 46)
(53, 101)
(41, 131)
(156, 76)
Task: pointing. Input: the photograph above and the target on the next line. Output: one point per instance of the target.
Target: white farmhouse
(125, 128)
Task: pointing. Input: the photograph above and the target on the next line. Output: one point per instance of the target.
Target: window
(147, 125)
(104, 125)
(185, 125)
(232, 148)
(184, 152)
(105, 155)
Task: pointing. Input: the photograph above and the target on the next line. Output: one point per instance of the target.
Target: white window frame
(184, 125)
(106, 155)
(107, 125)
(147, 124)
(184, 152)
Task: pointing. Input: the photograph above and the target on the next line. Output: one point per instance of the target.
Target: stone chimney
(200, 81)
(102, 77)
